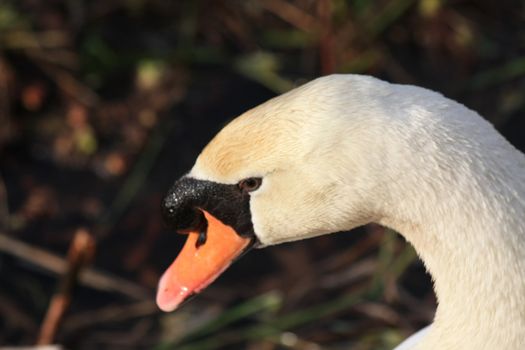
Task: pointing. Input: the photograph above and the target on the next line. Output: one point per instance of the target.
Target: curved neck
(466, 220)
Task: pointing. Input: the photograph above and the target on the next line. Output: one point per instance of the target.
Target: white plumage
(347, 150)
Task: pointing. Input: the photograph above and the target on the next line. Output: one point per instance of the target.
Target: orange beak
(198, 265)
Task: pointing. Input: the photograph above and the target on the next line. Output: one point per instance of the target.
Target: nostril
(201, 226)
(202, 239)
(185, 219)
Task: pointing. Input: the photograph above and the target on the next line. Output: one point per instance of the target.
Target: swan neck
(470, 235)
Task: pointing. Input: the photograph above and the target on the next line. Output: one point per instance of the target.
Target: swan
(346, 150)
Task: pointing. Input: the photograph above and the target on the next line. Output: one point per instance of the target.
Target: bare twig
(80, 254)
(292, 14)
(58, 265)
(22, 39)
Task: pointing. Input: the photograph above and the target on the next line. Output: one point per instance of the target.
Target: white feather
(347, 150)
(411, 342)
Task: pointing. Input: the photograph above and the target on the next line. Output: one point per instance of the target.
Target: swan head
(277, 173)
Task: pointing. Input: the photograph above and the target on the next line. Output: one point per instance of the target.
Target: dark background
(104, 103)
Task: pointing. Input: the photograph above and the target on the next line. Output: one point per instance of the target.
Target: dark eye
(250, 184)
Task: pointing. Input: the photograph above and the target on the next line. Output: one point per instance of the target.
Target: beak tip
(167, 302)
(170, 295)
(167, 307)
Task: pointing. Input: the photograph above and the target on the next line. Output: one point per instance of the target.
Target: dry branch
(80, 254)
(58, 265)
(292, 14)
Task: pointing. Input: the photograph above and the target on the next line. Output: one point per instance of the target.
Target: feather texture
(346, 150)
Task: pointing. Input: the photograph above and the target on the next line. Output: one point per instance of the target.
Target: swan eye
(250, 184)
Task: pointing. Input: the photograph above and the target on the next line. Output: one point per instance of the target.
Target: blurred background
(104, 103)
